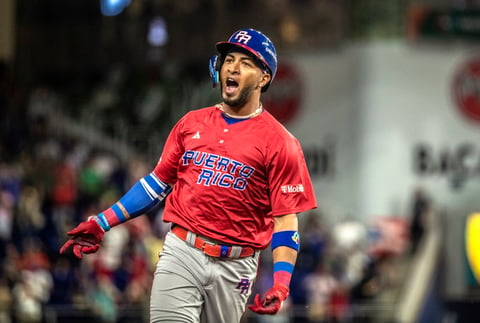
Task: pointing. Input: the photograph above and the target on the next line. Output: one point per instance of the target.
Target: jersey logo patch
(244, 285)
(292, 188)
(196, 135)
(296, 238)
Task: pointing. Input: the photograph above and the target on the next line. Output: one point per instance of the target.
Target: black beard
(242, 99)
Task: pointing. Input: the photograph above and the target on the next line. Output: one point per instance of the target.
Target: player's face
(241, 77)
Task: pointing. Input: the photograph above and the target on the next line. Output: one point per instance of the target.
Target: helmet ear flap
(214, 67)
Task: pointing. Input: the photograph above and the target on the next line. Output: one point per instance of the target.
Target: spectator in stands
(365, 290)
(64, 282)
(6, 219)
(420, 207)
(31, 293)
(30, 219)
(320, 286)
(64, 194)
(6, 300)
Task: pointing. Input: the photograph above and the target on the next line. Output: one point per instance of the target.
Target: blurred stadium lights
(157, 32)
(113, 7)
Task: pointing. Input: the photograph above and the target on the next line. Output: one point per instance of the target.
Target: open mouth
(231, 86)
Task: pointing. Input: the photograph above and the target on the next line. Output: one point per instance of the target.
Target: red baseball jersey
(230, 180)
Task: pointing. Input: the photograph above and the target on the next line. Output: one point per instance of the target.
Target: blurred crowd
(50, 182)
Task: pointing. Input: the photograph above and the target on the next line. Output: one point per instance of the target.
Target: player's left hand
(272, 300)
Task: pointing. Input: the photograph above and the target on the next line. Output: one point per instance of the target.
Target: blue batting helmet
(254, 42)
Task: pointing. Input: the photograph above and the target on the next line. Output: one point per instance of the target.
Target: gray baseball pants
(189, 286)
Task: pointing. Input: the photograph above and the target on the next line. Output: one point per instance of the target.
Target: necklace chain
(251, 115)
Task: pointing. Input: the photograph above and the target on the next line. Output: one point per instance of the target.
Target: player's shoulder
(272, 125)
(202, 112)
(199, 115)
(280, 141)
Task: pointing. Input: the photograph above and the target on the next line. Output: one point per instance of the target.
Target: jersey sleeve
(291, 189)
(166, 168)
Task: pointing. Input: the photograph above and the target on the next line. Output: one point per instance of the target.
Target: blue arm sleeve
(141, 197)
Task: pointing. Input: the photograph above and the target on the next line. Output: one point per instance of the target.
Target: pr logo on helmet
(243, 37)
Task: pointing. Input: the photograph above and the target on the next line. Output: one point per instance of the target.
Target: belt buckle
(205, 244)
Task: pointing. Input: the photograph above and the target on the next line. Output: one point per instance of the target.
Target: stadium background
(383, 95)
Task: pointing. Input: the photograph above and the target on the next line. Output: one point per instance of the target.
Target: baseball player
(234, 180)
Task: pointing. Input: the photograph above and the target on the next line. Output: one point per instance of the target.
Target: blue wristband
(283, 266)
(100, 218)
(289, 239)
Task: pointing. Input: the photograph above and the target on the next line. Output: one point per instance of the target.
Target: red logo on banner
(284, 96)
(466, 89)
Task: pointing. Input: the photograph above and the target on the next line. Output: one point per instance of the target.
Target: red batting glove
(85, 238)
(272, 300)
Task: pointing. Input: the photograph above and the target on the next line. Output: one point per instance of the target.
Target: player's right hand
(85, 238)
